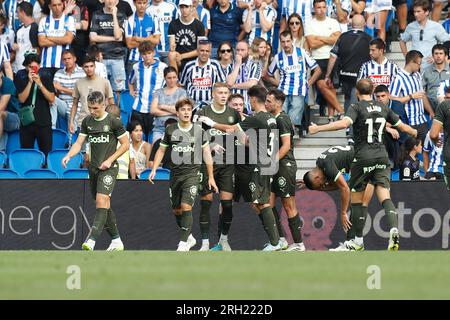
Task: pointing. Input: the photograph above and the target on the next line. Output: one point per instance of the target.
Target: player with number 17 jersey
(369, 120)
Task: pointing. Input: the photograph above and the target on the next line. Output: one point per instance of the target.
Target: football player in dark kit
(261, 134)
(442, 120)
(187, 142)
(102, 130)
(371, 162)
(328, 176)
(283, 182)
(219, 112)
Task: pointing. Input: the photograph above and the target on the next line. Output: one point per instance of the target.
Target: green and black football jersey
(262, 132)
(336, 160)
(186, 146)
(102, 135)
(242, 156)
(443, 116)
(369, 121)
(286, 128)
(227, 116)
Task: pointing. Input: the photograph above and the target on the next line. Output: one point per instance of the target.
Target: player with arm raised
(371, 162)
(261, 134)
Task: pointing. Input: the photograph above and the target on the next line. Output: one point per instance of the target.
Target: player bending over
(371, 163)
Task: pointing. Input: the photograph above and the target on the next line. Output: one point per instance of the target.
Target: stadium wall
(56, 214)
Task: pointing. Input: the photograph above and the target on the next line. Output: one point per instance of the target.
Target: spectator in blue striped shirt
(147, 77)
(304, 8)
(55, 33)
(139, 27)
(432, 157)
(202, 14)
(259, 20)
(5, 62)
(199, 75)
(246, 73)
(10, 9)
(163, 13)
(293, 64)
(407, 89)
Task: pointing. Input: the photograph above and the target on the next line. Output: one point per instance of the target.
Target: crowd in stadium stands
(144, 55)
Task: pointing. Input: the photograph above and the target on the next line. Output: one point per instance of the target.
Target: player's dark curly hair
(307, 180)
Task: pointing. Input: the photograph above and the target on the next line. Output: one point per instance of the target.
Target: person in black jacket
(26, 81)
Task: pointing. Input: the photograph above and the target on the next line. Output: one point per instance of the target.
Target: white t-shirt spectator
(322, 28)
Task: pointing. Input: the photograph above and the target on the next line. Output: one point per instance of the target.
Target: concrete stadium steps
(307, 149)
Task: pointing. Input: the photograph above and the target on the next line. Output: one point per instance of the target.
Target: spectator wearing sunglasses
(225, 56)
(295, 27)
(423, 33)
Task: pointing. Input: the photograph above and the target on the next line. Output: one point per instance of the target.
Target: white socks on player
(359, 241)
(205, 242)
(116, 241)
(223, 237)
(90, 243)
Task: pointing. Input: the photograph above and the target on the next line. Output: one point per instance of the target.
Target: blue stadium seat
(161, 174)
(346, 176)
(23, 160)
(8, 174)
(76, 174)
(3, 159)
(60, 139)
(126, 101)
(40, 174)
(395, 175)
(54, 161)
(13, 141)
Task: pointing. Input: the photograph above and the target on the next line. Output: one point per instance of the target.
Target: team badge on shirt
(105, 128)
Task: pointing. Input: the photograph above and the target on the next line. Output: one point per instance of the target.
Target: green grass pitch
(225, 275)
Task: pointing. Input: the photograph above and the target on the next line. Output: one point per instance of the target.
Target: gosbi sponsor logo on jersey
(202, 82)
(100, 139)
(215, 132)
(378, 79)
(178, 148)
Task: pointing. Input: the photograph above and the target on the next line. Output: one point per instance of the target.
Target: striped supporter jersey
(250, 70)
(50, 27)
(379, 73)
(270, 14)
(293, 71)
(147, 80)
(139, 27)
(302, 7)
(198, 80)
(405, 84)
(434, 153)
(162, 15)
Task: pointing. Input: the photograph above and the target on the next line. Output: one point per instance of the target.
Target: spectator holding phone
(35, 88)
